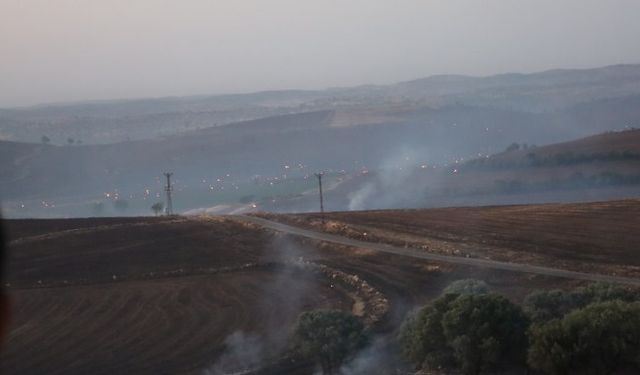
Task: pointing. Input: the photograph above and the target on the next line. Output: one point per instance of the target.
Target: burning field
(209, 295)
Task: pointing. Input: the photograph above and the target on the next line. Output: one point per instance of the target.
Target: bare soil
(160, 295)
(598, 237)
(145, 295)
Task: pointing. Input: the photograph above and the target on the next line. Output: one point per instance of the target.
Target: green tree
(601, 338)
(467, 286)
(421, 337)
(601, 292)
(486, 332)
(329, 337)
(543, 306)
(468, 332)
(157, 208)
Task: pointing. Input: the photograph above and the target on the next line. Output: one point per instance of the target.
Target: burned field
(145, 295)
(597, 237)
(172, 295)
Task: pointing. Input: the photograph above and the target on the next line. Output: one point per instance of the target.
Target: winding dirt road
(421, 254)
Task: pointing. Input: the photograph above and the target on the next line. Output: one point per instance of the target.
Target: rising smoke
(393, 185)
(246, 351)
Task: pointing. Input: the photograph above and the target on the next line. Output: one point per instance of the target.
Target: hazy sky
(62, 50)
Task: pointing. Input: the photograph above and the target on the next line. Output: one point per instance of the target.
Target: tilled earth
(161, 295)
(596, 237)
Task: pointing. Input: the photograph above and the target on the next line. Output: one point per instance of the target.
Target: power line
(319, 175)
(169, 209)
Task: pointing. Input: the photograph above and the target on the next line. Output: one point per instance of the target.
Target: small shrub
(329, 337)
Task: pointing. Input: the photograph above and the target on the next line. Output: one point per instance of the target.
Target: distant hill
(441, 121)
(602, 166)
(318, 140)
(543, 91)
(599, 167)
(613, 146)
(123, 120)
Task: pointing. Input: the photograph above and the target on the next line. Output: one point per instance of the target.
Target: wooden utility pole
(169, 209)
(319, 175)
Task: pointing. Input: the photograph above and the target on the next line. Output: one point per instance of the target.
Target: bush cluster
(533, 159)
(468, 329)
(329, 337)
(594, 329)
(600, 338)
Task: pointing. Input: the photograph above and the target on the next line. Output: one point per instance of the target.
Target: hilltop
(441, 122)
(317, 140)
(122, 120)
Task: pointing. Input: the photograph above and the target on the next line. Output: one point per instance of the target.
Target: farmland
(150, 295)
(597, 237)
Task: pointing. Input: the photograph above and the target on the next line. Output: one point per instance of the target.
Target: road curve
(422, 254)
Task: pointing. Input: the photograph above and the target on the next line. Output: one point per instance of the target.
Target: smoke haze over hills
(434, 122)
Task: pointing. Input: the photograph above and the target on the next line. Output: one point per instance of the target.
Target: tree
(601, 338)
(120, 205)
(542, 306)
(421, 337)
(601, 292)
(157, 208)
(467, 332)
(486, 332)
(45, 140)
(329, 337)
(467, 286)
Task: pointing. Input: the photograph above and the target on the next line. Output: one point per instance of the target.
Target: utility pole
(169, 209)
(319, 175)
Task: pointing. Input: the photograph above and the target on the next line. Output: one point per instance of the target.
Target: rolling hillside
(297, 145)
(121, 120)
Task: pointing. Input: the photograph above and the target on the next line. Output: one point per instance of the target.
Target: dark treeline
(560, 159)
(576, 181)
(471, 330)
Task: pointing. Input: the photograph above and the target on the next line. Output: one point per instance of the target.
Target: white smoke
(392, 184)
(377, 358)
(243, 353)
(358, 199)
(374, 359)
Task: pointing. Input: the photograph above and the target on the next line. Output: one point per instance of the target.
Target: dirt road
(491, 264)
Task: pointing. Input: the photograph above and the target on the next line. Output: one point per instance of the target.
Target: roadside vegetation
(471, 330)
(329, 338)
